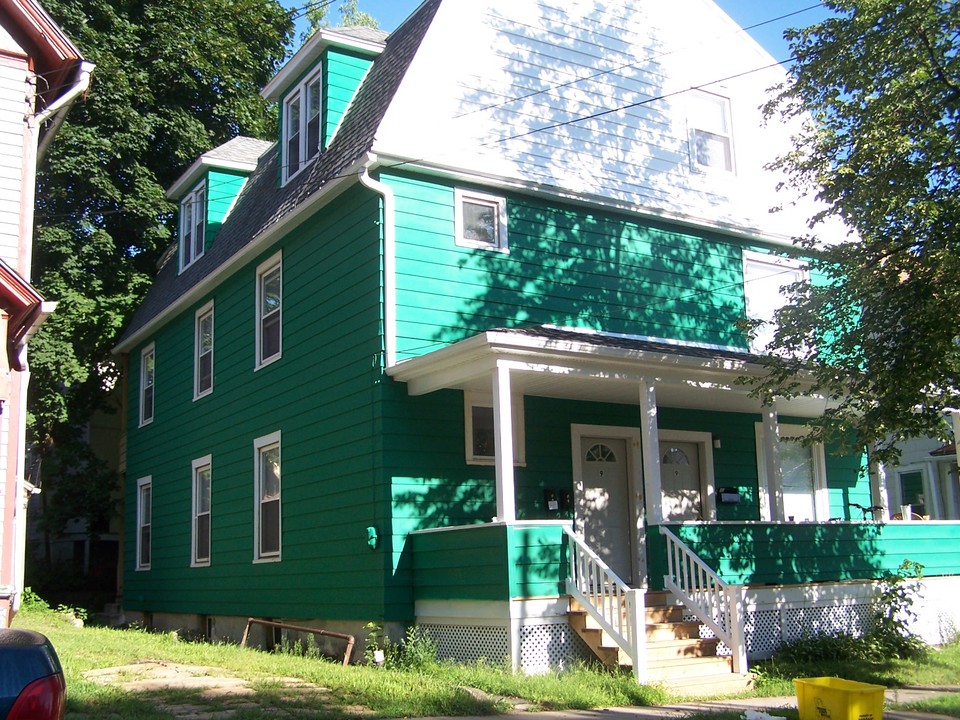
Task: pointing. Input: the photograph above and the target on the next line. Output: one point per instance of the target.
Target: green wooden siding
(489, 562)
(223, 187)
(344, 71)
(321, 395)
(796, 553)
(566, 266)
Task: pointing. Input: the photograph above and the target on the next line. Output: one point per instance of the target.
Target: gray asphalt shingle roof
(263, 203)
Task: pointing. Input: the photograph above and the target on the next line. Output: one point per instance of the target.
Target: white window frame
(266, 268)
(147, 417)
(485, 400)
(723, 131)
(498, 203)
(308, 118)
(202, 314)
(821, 496)
(197, 467)
(144, 522)
(260, 446)
(193, 225)
(792, 269)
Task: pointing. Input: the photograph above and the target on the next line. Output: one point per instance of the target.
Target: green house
(460, 349)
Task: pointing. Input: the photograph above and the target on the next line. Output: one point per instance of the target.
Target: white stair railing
(613, 604)
(715, 603)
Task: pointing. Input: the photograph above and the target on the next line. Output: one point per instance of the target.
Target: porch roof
(579, 364)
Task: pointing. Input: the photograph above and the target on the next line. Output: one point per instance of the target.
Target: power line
(626, 66)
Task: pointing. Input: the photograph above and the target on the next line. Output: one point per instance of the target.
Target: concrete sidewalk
(768, 705)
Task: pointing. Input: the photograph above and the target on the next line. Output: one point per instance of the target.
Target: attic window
(711, 141)
(481, 220)
(301, 126)
(193, 220)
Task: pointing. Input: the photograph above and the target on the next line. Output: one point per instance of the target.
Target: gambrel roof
(580, 100)
(263, 205)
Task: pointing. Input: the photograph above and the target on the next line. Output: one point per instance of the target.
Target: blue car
(31, 678)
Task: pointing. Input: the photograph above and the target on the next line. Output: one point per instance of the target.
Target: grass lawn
(333, 691)
(279, 684)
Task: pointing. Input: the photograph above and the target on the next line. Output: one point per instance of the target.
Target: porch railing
(613, 604)
(716, 604)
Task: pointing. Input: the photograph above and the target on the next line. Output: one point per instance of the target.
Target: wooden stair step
(689, 667)
(682, 648)
(673, 631)
(709, 685)
(663, 614)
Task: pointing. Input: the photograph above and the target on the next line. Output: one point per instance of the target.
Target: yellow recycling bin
(830, 698)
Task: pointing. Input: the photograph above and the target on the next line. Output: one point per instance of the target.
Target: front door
(604, 510)
(680, 480)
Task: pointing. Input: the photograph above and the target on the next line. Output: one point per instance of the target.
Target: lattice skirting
(773, 615)
(543, 647)
(553, 646)
(470, 643)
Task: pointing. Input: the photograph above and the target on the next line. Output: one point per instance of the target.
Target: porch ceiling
(576, 365)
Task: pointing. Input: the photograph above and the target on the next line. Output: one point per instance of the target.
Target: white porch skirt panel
(468, 631)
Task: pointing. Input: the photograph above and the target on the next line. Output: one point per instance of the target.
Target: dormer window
(301, 126)
(193, 220)
(711, 141)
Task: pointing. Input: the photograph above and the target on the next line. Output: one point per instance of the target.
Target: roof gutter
(61, 106)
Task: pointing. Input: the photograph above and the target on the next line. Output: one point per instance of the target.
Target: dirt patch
(213, 695)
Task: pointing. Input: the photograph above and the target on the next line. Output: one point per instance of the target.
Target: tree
(877, 87)
(173, 79)
(350, 14)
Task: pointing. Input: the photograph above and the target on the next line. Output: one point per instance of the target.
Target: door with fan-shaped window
(604, 503)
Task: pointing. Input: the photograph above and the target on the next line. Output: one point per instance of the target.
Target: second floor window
(193, 220)
(301, 126)
(147, 373)
(269, 307)
(203, 360)
(480, 220)
(764, 278)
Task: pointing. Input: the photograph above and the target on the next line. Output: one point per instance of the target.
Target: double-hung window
(764, 278)
(193, 220)
(147, 373)
(201, 511)
(301, 125)
(803, 476)
(711, 140)
(266, 519)
(144, 521)
(203, 352)
(269, 310)
(480, 220)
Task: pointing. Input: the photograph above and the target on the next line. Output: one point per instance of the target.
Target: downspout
(389, 261)
(25, 489)
(59, 108)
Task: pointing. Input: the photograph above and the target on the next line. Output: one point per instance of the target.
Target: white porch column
(933, 501)
(650, 448)
(503, 429)
(772, 466)
(953, 480)
(878, 490)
